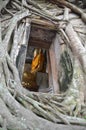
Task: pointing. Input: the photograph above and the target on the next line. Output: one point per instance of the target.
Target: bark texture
(25, 110)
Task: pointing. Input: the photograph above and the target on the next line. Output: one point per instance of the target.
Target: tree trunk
(24, 110)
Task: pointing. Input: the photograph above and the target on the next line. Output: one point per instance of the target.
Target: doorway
(40, 38)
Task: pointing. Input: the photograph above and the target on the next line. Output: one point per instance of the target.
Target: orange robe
(37, 63)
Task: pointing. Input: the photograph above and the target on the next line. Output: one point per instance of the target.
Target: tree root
(24, 110)
(73, 8)
(48, 106)
(36, 102)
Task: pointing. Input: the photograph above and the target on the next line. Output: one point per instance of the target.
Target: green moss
(84, 117)
(67, 69)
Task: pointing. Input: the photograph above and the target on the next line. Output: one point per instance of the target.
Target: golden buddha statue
(29, 76)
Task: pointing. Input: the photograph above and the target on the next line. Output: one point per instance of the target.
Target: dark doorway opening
(40, 38)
